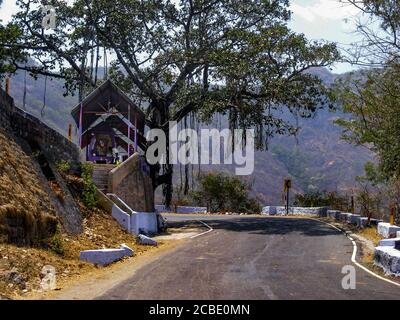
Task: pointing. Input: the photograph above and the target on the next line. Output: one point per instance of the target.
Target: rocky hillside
(316, 159)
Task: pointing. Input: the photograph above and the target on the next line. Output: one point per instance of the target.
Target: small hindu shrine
(111, 126)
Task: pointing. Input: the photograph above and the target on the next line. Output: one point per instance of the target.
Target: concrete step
(100, 176)
(105, 167)
(100, 183)
(103, 177)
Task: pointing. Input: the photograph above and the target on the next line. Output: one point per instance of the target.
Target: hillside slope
(26, 213)
(28, 225)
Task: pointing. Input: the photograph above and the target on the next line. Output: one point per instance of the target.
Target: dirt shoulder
(92, 284)
(93, 281)
(21, 267)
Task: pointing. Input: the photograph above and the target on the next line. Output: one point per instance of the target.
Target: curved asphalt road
(255, 258)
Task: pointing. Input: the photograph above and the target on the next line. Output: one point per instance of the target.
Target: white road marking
(210, 229)
(353, 257)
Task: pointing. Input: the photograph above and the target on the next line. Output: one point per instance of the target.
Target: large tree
(188, 57)
(9, 49)
(372, 100)
(371, 96)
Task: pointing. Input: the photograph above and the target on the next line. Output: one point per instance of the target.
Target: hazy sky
(317, 19)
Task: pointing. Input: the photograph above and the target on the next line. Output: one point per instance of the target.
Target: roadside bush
(56, 243)
(221, 192)
(89, 195)
(63, 167)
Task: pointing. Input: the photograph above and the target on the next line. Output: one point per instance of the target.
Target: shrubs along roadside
(221, 192)
(89, 195)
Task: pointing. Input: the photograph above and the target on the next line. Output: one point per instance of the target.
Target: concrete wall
(104, 202)
(272, 210)
(387, 230)
(133, 221)
(123, 218)
(54, 145)
(132, 185)
(388, 258)
(146, 223)
(104, 257)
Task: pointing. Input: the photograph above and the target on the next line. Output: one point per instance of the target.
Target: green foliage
(322, 199)
(371, 97)
(89, 195)
(373, 174)
(63, 166)
(372, 101)
(221, 192)
(56, 243)
(9, 50)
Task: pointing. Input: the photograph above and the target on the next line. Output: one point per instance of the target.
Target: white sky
(317, 19)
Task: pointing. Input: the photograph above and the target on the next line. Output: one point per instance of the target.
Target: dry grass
(25, 207)
(57, 190)
(370, 234)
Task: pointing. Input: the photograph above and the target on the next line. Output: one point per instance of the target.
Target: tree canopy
(372, 99)
(191, 57)
(9, 49)
(371, 96)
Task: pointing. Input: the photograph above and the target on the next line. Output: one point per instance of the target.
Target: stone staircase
(100, 176)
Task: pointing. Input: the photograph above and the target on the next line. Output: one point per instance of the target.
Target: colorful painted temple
(109, 122)
(111, 136)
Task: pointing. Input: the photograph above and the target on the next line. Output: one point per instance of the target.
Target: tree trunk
(162, 175)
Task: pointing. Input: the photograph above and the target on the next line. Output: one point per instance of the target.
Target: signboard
(287, 184)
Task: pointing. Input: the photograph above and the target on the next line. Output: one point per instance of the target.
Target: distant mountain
(317, 159)
(53, 108)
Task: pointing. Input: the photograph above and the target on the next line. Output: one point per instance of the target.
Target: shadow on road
(272, 226)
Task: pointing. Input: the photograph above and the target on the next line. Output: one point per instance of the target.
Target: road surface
(255, 258)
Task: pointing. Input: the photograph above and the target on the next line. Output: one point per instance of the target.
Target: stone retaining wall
(132, 184)
(54, 145)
